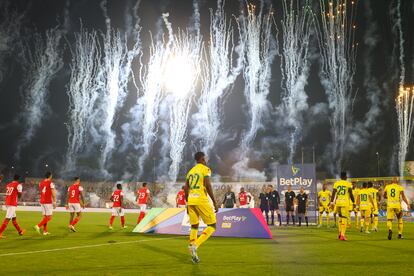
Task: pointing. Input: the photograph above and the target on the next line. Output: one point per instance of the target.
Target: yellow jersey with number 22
(197, 194)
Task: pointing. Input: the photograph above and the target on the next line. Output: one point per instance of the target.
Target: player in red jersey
(47, 202)
(180, 198)
(244, 198)
(13, 192)
(117, 207)
(143, 197)
(75, 203)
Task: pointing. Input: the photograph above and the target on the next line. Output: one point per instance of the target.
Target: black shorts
(264, 209)
(301, 209)
(289, 208)
(272, 208)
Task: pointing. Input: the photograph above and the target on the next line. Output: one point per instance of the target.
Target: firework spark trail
(397, 28)
(336, 43)
(9, 32)
(260, 50)
(188, 49)
(113, 80)
(82, 93)
(405, 107)
(41, 65)
(296, 24)
(217, 78)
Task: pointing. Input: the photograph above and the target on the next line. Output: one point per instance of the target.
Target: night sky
(374, 27)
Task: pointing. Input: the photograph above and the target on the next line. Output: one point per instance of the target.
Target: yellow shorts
(205, 211)
(342, 211)
(324, 209)
(365, 212)
(391, 212)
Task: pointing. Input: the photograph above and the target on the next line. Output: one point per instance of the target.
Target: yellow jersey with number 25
(342, 193)
(197, 194)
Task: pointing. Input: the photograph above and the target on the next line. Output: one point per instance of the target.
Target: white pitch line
(80, 247)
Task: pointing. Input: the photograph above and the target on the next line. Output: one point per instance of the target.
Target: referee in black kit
(274, 201)
(289, 198)
(302, 199)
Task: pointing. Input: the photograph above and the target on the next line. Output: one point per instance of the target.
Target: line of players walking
(75, 204)
(346, 198)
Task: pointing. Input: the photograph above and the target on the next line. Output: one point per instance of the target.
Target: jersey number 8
(392, 193)
(193, 181)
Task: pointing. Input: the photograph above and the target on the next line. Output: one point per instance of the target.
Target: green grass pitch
(94, 250)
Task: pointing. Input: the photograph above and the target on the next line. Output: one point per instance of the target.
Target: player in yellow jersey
(342, 192)
(365, 203)
(353, 207)
(324, 197)
(394, 193)
(197, 189)
(376, 199)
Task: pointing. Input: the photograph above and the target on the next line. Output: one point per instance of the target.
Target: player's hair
(144, 184)
(370, 184)
(119, 186)
(182, 187)
(16, 177)
(48, 174)
(76, 178)
(270, 186)
(198, 156)
(364, 185)
(343, 175)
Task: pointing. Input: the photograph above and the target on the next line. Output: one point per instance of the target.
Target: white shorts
(143, 207)
(11, 212)
(245, 206)
(117, 212)
(181, 206)
(47, 209)
(74, 207)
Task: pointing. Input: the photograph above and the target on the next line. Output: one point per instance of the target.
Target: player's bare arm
(54, 198)
(371, 200)
(404, 198)
(351, 195)
(82, 200)
(209, 189)
(186, 188)
(333, 197)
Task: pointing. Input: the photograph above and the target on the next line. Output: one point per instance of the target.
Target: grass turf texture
(293, 251)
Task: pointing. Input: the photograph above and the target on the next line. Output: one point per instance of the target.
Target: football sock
(42, 222)
(367, 222)
(45, 227)
(279, 217)
(320, 218)
(389, 224)
(362, 221)
(400, 226)
(111, 221)
(4, 225)
(16, 225)
(141, 216)
(328, 218)
(122, 221)
(193, 235)
(287, 219)
(273, 218)
(74, 221)
(375, 221)
(343, 226)
(205, 235)
(300, 220)
(267, 217)
(293, 219)
(306, 220)
(356, 220)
